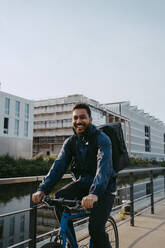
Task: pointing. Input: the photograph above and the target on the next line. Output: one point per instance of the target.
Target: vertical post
(125, 192)
(152, 192)
(33, 218)
(125, 132)
(120, 195)
(164, 181)
(131, 181)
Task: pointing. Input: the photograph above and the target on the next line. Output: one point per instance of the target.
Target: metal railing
(33, 237)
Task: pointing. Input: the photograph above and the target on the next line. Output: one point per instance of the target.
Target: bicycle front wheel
(111, 229)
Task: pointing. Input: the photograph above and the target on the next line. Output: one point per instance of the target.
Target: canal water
(14, 197)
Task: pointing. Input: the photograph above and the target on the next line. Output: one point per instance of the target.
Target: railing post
(152, 192)
(131, 181)
(119, 195)
(33, 218)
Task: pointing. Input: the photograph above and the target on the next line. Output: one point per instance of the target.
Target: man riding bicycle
(94, 177)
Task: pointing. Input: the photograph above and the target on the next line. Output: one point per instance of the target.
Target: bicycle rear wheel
(111, 229)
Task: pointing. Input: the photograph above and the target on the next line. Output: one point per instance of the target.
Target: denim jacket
(103, 178)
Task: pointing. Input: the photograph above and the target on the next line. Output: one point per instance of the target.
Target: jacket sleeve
(58, 168)
(104, 166)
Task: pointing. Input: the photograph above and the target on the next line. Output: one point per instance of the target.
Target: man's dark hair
(82, 106)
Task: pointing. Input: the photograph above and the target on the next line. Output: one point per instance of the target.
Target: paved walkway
(148, 231)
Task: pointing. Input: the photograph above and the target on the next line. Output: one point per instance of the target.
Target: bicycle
(65, 236)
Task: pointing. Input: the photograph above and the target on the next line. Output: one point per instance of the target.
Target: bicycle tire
(51, 245)
(112, 231)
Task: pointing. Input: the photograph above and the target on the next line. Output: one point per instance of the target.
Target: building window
(147, 139)
(26, 125)
(6, 125)
(1, 228)
(16, 127)
(17, 108)
(147, 145)
(164, 137)
(26, 111)
(147, 131)
(7, 106)
(12, 224)
(164, 148)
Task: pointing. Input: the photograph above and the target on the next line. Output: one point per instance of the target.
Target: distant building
(16, 126)
(144, 134)
(147, 136)
(53, 121)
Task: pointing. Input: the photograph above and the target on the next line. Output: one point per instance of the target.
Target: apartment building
(53, 121)
(16, 126)
(147, 136)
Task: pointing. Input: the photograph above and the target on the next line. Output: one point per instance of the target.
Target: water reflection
(14, 228)
(18, 194)
(7, 192)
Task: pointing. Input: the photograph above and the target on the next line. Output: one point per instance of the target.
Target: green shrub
(10, 167)
(139, 162)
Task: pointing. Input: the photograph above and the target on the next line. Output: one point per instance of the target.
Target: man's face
(80, 120)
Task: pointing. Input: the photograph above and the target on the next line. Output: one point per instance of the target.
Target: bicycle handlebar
(61, 201)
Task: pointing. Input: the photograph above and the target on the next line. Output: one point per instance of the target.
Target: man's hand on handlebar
(37, 197)
(88, 201)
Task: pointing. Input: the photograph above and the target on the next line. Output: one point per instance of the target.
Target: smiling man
(89, 152)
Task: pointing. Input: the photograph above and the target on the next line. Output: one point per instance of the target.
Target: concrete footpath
(148, 231)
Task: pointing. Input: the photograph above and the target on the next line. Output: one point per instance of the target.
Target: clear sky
(108, 50)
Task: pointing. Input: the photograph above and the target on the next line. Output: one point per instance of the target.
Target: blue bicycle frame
(65, 231)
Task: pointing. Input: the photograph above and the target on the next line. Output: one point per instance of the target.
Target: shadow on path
(146, 234)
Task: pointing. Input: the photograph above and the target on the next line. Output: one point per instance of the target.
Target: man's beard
(85, 132)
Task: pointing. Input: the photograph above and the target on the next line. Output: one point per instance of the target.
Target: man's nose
(78, 120)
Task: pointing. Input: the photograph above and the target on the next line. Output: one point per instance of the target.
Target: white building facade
(16, 126)
(147, 136)
(53, 121)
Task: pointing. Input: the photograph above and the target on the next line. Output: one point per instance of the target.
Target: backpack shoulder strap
(73, 144)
